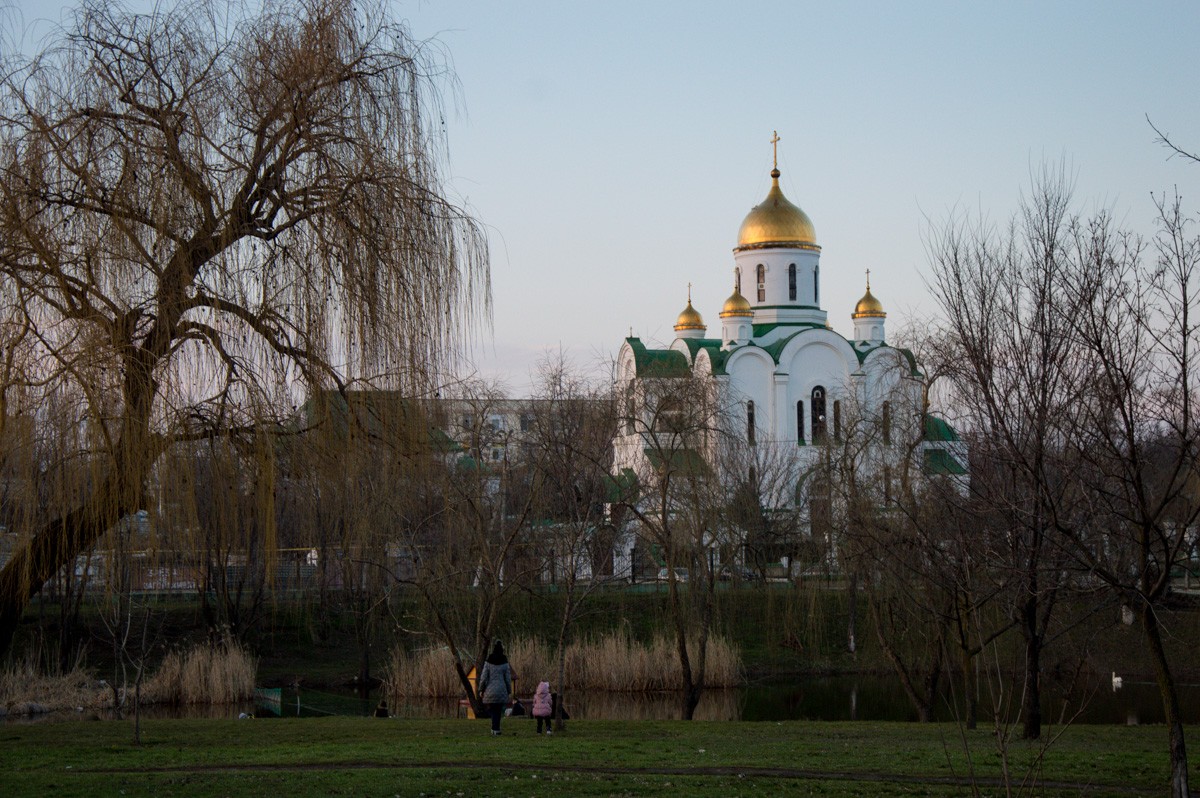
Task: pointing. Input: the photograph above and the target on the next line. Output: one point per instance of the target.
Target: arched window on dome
(791, 282)
(750, 422)
(761, 272)
(817, 285)
(818, 415)
(800, 422)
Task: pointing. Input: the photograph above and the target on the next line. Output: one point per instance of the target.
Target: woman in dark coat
(495, 685)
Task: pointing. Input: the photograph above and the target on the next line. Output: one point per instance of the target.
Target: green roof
(716, 354)
(912, 361)
(939, 462)
(620, 487)
(684, 462)
(762, 329)
(937, 430)
(658, 362)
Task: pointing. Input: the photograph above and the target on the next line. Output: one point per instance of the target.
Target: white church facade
(783, 379)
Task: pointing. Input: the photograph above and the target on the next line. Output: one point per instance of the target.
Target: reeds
(429, 672)
(24, 690)
(203, 675)
(614, 663)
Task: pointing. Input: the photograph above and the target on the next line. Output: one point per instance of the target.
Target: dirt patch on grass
(722, 770)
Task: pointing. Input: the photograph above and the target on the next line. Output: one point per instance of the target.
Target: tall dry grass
(203, 675)
(614, 663)
(25, 690)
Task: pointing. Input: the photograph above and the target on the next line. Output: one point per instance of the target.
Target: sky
(611, 149)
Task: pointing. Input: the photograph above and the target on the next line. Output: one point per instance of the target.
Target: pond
(826, 698)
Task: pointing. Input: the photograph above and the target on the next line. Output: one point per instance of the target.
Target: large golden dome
(776, 222)
(736, 305)
(690, 319)
(869, 307)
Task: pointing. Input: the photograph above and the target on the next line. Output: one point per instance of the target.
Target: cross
(868, 279)
(689, 293)
(774, 149)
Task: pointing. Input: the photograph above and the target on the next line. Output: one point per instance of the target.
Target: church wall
(777, 290)
(815, 364)
(750, 378)
(777, 304)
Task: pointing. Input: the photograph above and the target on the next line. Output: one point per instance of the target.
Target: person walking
(495, 685)
(543, 706)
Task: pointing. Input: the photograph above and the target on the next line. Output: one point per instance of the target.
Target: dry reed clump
(24, 690)
(203, 675)
(614, 663)
(429, 672)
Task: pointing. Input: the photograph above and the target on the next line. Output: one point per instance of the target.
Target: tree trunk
(852, 610)
(1170, 700)
(364, 671)
(563, 630)
(1031, 702)
(55, 545)
(970, 699)
(117, 494)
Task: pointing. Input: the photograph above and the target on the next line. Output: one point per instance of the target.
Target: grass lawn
(292, 758)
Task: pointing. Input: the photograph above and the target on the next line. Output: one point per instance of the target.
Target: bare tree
(205, 210)
(469, 528)
(1018, 381)
(1076, 352)
(571, 426)
(1138, 438)
(680, 501)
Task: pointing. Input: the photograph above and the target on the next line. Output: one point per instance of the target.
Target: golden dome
(690, 319)
(736, 305)
(776, 222)
(868, 307)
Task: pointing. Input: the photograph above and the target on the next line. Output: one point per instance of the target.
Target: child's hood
(543, 688)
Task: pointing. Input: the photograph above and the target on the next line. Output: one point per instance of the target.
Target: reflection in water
(867, 698)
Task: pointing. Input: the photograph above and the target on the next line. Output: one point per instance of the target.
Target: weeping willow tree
(206, 213)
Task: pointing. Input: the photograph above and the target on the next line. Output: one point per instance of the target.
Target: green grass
(375, 757)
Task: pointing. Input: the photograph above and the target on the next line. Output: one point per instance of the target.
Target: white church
(783, 377)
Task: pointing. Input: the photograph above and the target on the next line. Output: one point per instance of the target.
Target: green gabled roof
(658, 362)
(762, 329)
(939, 462)
(912, 361)
(775, 350)
(684, 462)
(443, 442)
(937, 430)
(621, 486)
(716, 354)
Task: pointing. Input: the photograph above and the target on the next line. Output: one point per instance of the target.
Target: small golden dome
(776, 222)
(869, 307)
(736, 305)
(690, 319)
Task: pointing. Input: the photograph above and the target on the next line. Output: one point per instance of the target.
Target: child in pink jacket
(543, 706)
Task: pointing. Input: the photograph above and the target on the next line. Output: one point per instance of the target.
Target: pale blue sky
(613, 148)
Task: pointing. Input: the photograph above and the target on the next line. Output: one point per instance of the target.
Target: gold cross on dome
(775, 149)
(689, 293)
(868, 279)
